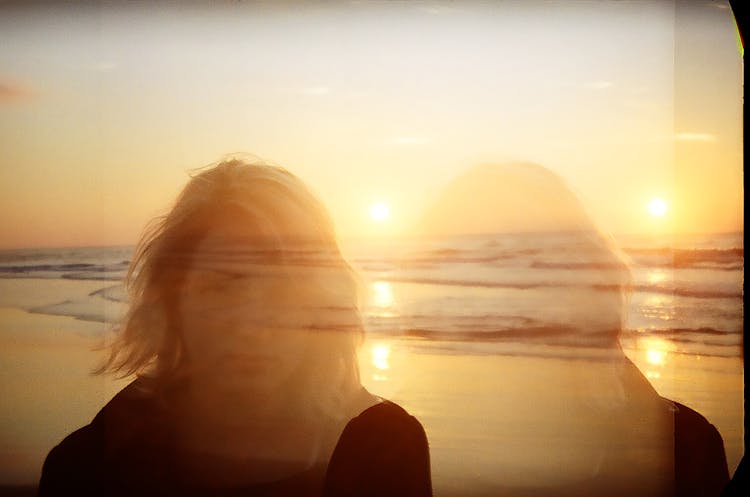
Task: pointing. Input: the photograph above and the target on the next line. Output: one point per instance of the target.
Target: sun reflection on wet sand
(380, 354)
(382, 300)
(659, 307)
(657, 276)
(380, 361)
(655, 356)
(655, 353)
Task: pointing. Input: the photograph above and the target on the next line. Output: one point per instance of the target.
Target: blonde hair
(149, 343)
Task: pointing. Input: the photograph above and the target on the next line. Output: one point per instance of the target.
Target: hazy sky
(104, 108)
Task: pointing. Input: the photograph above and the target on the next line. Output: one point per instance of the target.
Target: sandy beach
(47, 388)
(468, 403)
(465, 401)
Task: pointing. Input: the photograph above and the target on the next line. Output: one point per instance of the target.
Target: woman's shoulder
(382, 451)
(385, 416)
(72, 465)
(383, 428)
(77, 461)
(700, 458)
(88, 442)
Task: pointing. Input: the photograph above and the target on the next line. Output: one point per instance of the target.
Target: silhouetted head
(575, 277)
(243, 281)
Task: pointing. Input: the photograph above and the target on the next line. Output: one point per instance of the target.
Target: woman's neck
(217, 407)
(255, 436)
(226, 423)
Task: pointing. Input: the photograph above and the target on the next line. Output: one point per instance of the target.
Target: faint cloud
(439, 9)
(695, 137)
(311, 91)
(585, 85)
(12, 92)
(355, 95)
(316, 90)
(597, 85)
(408, 140)
(106, 66)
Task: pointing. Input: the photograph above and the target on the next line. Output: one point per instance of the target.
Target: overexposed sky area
(105, 107)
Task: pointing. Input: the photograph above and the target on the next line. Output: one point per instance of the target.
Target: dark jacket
(129, 450)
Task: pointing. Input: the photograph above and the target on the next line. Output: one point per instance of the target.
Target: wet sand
(46, 387)
(494, 420)
(467, 403)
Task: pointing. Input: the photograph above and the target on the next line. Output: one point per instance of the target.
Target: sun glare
(657, 207)
(382, 294)
(379, 212)
(380, 354)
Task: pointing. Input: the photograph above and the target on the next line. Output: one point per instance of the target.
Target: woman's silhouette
(576, 415)
(242, 330)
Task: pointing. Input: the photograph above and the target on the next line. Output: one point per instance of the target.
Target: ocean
(484, 289)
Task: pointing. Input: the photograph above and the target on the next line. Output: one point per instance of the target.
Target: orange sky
(103, 109)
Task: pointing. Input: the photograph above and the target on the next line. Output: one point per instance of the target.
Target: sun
(379, 212)
(658, 207)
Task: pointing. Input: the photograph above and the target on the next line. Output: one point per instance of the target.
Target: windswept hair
(149, 341)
